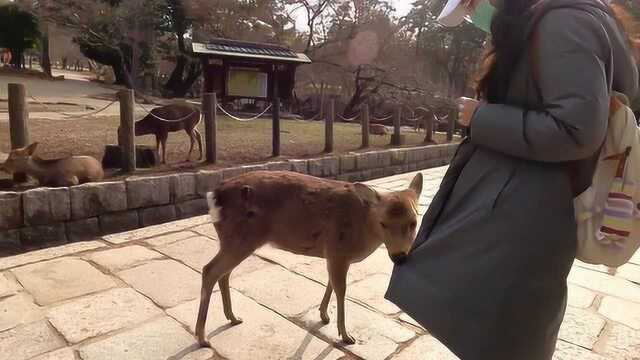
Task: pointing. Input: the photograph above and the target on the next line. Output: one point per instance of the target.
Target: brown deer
(378, 129)
(171, 118)
(341, 222)
(68, 171)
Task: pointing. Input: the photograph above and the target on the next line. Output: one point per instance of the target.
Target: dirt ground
(238, 142)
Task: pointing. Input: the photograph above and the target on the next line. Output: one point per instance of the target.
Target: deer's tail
(214, 209)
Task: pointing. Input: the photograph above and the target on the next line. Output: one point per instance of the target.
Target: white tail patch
(214, 210)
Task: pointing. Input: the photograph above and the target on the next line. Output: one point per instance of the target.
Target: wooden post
(365, 125)
(275, 110)
(452, 125)
(328, 127)
(428, 127)
(18, 116)
(209, 110)
(396, 139)
(126, 135)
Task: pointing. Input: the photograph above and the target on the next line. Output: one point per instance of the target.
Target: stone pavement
(134, 296)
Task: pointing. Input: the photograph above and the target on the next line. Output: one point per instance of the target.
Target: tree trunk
(16, 59)
(45, 58)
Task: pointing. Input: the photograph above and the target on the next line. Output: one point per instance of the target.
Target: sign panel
(247, 82)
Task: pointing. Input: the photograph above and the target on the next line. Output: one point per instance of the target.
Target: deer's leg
(223, 283)
(163, 143)
(222, 264)
(338, 269)
(325, 304)
(192, 141)
(199, 140)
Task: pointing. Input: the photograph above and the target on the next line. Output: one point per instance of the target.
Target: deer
(171, 118)
(378, 129)
(341, 222)
(69, 171)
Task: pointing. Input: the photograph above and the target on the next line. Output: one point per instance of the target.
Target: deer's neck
(36, 169)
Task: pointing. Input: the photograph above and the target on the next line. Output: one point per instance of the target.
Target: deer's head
(18, 158)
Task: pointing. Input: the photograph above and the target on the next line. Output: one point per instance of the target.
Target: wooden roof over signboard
(249, 50)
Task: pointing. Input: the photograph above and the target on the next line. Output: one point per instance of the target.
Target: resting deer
(68, 171)
(171, 118)
(341, 222)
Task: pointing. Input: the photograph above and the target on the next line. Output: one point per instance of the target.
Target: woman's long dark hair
(509, 35)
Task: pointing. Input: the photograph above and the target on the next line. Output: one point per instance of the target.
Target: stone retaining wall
(39, 216)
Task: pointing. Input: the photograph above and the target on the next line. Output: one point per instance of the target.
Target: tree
(18, 32)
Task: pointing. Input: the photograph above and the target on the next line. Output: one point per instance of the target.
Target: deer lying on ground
(68, 171)
(341, 222)
(171, 118)
(377, 129)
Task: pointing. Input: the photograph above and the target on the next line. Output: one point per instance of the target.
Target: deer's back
(172, 118)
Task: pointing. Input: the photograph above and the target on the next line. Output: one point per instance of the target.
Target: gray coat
(487, 274)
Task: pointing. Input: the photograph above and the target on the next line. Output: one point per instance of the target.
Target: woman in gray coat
(487, 273)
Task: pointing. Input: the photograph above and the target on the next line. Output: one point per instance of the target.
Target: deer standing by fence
(171, 118)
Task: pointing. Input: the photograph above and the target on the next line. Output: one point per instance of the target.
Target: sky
(402, 8)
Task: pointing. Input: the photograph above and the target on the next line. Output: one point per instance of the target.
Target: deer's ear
(31, 149)
(416, 184)
(366, 194)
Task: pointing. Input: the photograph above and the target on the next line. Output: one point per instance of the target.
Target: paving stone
(147, 232)
(61, 279)
(622, 343)
(160, 339)
(233, 172)
(207, 230)
(45, 206)
(200, 354)
(148, 191)
(289, 294)
(170, 238)
(377, 263)
(85, 229)
(93, 199)
(312, 268)
(581, 327)
(8, 286)
(157, 215)
(580, 297)
(119, 259)
(195, 207)
(630, 272)
(43, 234)
(195, 252)
(208, 181)
(625, 312)
(17, 310)
(567, 351)
(166, 282)
(284, 258)
(183, 187)
(101, 313)
(371, 291)
(278, 166)
(11, 214)
(119, 222)
(62, 354)
(47, 254)
(408, 319)
(263, 335)
(300, 166)
(27, 341)
(426, 347)
(376, 337)
(192, 221)
(604, 283)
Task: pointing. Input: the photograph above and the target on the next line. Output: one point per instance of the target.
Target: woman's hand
(466, 109)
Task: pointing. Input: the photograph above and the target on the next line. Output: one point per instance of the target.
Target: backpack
(608, 212)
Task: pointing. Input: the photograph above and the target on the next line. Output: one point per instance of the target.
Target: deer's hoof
(236, 321)
(348, 339)
(325, 318)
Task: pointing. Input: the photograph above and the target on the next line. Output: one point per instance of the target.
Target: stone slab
(62, 354)
(85, 229)
(157, 215)
(371, 291)
(167, 282)
(115, 260)
(93, 199)
(630, 272)
(289, 294)
(17, 310)
(263, 335)
(27, 341)
(409, 320)
(56, 280)
(101, 313)
(376, 336)
(45, 206)
(183, 187)
(207, 181)
(195, 207)
(148, 232)
(170, 238)
(160, 339)
(624, 312)
(278, 166)
(148, 191)
(300, 166)
(581, 327)
(47, 254)
(580, 297)
(8, 286)
(567, 351)
(622, 343)
(11, 214)
(119, 222)
(604, 283)
(43, 234)
(207, 230)
(426, 347)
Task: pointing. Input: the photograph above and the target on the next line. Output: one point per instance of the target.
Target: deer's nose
(399, 258)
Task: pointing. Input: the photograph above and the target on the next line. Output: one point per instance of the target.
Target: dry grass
(238, 142)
